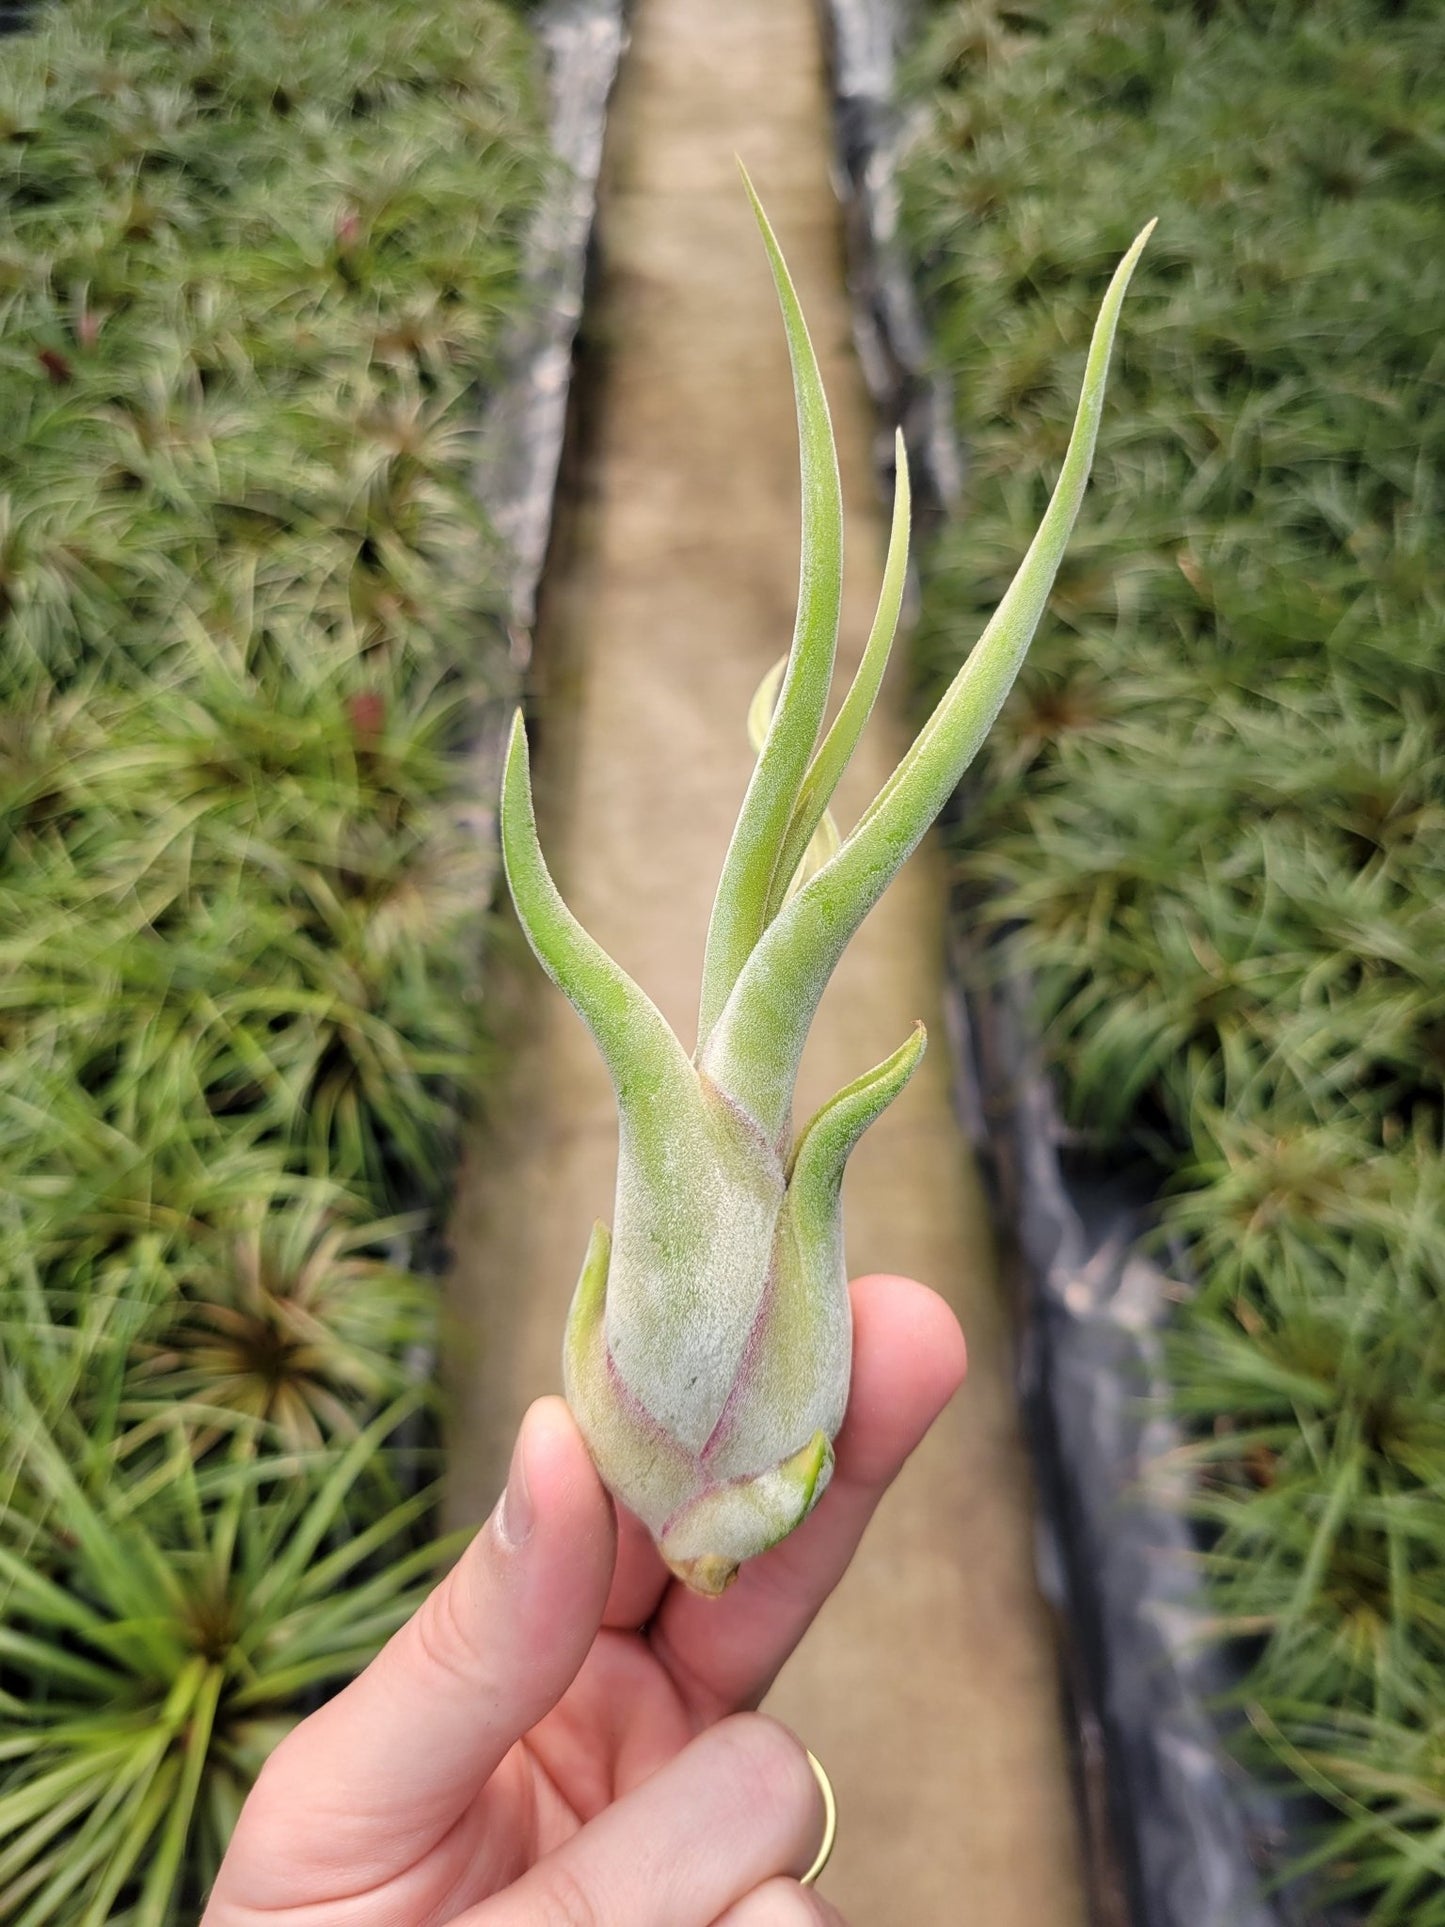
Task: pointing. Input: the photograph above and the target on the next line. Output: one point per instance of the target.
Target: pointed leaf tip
(836, 750)
(638, 1046)
(740, 909)
(827, 1139)
(765, 1019)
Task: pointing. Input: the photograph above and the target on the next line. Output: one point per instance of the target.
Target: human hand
(565, 1734)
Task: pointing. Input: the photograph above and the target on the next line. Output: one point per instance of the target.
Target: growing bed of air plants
(257, 265)
(1208, 830)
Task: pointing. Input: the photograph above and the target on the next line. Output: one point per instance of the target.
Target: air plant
(290, 1326)
(708, 1349)
(166, 1631)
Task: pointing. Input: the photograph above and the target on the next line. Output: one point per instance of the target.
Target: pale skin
(563, 1734)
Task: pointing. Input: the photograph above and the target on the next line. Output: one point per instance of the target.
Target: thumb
(399, 1755)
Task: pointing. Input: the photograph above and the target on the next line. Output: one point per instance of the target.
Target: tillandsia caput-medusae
(708, 1349)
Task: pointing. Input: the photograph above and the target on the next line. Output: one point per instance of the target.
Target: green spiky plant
(1209, 828)
(169, 1633)
(257, 265)
(708, 1349)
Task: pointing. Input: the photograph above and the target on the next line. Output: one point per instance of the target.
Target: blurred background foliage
(256, 267)
(1210, 826)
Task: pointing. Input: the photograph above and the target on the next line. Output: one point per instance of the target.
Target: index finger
(639, 1579)
(724, 1654)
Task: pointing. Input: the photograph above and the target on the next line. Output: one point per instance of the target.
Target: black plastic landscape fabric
(892, 342)
(1176, 1835)
(1188, 1830)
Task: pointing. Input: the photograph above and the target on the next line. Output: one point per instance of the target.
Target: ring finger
(735, 1808)
(781, 1903)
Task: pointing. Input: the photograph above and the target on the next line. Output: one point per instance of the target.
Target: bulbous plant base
(709, 1576)
(757, 1512)
(704, 1525)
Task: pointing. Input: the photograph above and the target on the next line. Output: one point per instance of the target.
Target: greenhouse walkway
(928, 1687)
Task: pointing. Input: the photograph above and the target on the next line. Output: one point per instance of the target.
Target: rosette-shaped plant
(708, 1349)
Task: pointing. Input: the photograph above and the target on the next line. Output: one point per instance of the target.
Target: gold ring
(830, 1819)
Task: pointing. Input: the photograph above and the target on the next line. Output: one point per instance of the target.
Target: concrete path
(929, 1686)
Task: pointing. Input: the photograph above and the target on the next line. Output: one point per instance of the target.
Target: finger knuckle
(440, 1638)
(280, 1775)
(808, 1910)
(561, 1900)
(771, 1761)
(781, 1903)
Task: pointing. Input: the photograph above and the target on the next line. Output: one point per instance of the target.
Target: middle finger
(733, 1809)
(781, 1903)
(723, 1654)
(639, 1578)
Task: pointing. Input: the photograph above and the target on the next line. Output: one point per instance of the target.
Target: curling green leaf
(740, 910)
(825, 842)
(654, 1081)
(811, 809)
(827, 1139)
(767, 1017)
